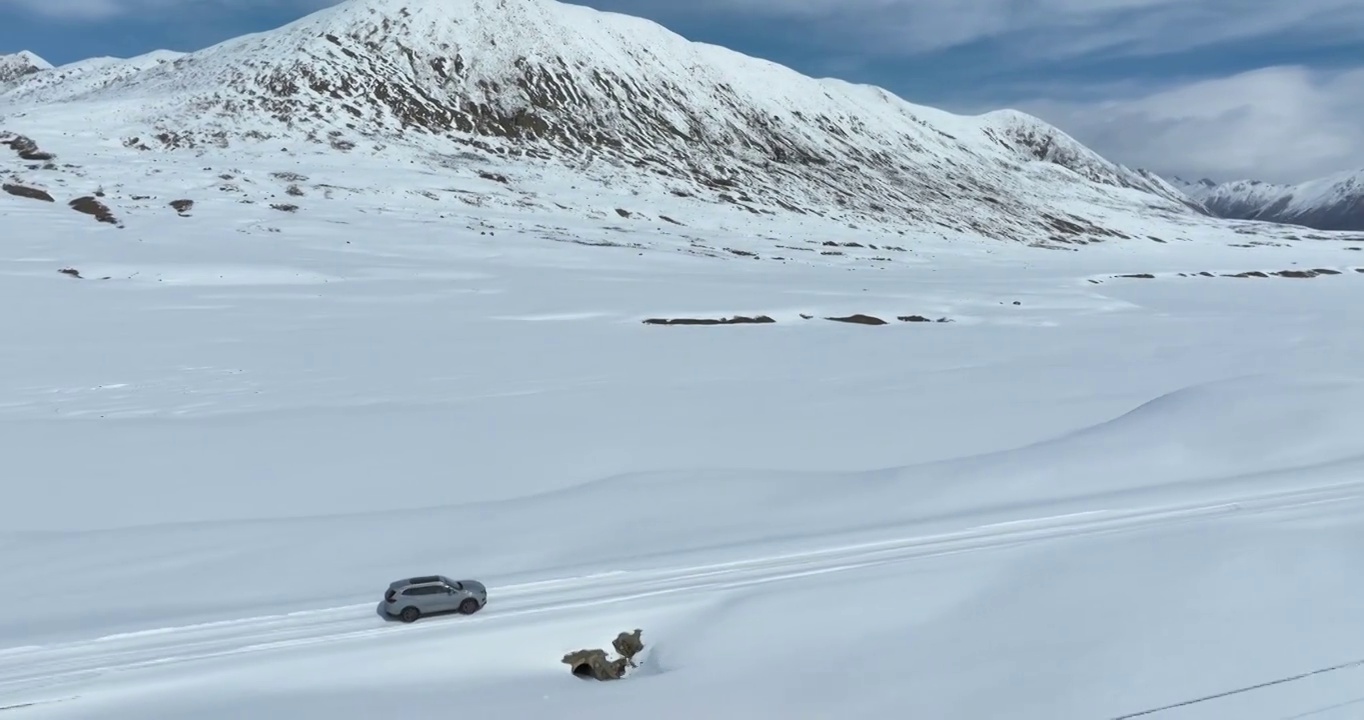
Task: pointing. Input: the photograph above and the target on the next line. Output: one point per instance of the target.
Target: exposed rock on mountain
(20, 65)
(612, 97)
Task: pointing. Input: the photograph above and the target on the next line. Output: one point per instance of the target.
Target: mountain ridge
(610, 96)
(1333, 202)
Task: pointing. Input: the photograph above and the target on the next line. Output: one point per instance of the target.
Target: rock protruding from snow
(628, 645)
(594, 664)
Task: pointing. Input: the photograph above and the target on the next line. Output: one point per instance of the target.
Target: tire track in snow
(35, 668)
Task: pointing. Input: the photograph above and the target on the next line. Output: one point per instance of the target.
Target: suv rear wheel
(410, 614)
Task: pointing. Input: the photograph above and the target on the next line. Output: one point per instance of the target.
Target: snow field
(1104, 498)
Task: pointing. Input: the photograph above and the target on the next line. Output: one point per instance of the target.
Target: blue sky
(1220, 88)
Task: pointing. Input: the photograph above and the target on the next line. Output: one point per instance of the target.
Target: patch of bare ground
(855, 319)
(1317, 272)
(859, 319)
(736, 320)
(90, 206)
(1291, 273)
(24, 191)
(25, 147)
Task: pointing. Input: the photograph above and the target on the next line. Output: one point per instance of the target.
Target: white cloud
(1047, 28)
(1279, 124)
(90, 10)
(74, 9)
(1032, 28)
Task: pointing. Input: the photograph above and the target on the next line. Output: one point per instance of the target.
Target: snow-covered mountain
(19, 65)
(77, 78)
(1335, 202)
(612, 98)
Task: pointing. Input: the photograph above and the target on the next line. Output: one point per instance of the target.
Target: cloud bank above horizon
(1225, 89)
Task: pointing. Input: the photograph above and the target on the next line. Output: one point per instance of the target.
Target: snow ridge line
(72, 663)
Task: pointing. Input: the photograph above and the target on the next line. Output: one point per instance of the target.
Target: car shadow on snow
(379, 610)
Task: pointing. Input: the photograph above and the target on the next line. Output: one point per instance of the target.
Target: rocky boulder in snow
(628, 645)
(597, 664)
(594, 664)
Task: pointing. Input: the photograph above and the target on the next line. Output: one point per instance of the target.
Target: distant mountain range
(1335, 202)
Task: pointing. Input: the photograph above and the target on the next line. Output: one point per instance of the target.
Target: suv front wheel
(469, 606)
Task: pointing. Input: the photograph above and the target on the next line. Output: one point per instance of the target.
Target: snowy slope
(612, 99)
(272, 376)
(1086, 496)
(84, 76)
(1335, 202)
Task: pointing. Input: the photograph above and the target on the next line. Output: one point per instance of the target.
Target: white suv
(434, 594)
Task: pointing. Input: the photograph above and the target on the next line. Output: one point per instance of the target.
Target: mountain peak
(20, 64)
(610, 96)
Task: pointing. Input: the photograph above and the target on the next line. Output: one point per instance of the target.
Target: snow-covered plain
(1087, 497)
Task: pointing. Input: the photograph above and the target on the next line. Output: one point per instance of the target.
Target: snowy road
(36, 674)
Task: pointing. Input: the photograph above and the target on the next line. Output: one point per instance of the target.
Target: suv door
(425, 598)
(449, 598)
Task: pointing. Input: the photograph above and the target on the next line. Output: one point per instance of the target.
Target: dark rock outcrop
(90, 206)
(736, 320)
(595, 665)
(628, 645)
(27, 192)
(859, 319)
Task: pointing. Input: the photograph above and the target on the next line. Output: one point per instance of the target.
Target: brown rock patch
(27, 192)
(90, 206)
(859, 319)
(736, 320)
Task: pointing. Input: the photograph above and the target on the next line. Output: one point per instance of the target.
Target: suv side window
(425, 590)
